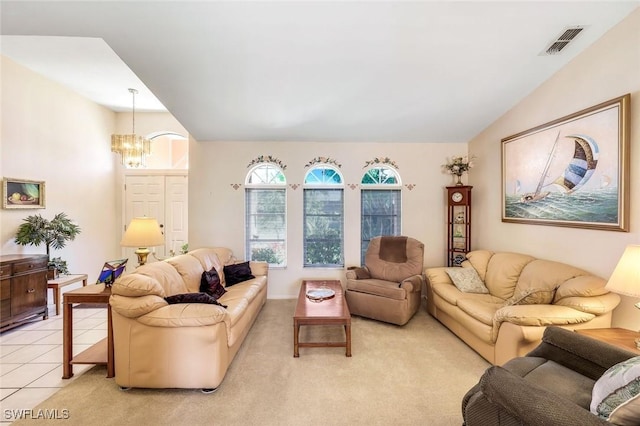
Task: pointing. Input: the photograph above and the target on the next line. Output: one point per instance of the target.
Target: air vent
(563, 40)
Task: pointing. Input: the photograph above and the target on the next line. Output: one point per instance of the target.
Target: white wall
(216, 208)
(608, 69)
(49, 133)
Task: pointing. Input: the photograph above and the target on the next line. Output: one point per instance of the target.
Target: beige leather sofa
(524, 296)
(186, 345)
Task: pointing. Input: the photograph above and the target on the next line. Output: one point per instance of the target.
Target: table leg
(56, 299)
(67, 341)
(110, 360)
(296, 330)
(347, 331)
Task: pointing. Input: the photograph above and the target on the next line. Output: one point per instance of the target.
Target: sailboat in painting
(576, 174)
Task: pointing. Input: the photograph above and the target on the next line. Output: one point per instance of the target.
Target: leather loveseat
(182, 345)
(510, 298)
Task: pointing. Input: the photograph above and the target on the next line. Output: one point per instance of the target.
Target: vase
(459, 182)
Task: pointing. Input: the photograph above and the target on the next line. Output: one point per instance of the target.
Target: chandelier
(133, 148)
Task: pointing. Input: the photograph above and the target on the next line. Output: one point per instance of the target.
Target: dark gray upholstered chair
(389, 286)
(551, 385)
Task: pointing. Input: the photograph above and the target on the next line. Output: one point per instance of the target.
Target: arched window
(381, 204)
(266, 215)
(323, 217)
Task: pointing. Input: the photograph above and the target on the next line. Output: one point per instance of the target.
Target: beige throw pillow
(467, 280)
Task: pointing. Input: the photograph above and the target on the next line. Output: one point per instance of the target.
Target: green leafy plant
(60, 265)
(53, 233)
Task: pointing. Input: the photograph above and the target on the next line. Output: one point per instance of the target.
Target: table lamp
(625, 278)
(142, 233)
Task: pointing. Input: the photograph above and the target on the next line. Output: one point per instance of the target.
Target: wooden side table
(62, 281)
(620, 337)
(101, 352)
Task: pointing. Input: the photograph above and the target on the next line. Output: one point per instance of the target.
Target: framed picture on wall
(573, 171)
(23, 194)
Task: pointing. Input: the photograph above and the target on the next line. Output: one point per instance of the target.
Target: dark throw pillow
(193, 298)
(236, 273)
(210, 284)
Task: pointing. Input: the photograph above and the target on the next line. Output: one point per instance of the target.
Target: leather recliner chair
(388, 288)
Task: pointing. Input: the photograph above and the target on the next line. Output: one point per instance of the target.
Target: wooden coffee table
(333, 311)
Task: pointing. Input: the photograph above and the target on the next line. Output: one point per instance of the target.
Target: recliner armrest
(412, 284)
(578, 352)
(532, 404)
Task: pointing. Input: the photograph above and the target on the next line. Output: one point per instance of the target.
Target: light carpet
(411, 375)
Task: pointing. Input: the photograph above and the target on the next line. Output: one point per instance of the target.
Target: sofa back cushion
(189, 269)
(479, 259)
(503, 272)
(166, 275)
(214, 257)
(539, 280)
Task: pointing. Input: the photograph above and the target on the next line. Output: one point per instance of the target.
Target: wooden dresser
(23, 289)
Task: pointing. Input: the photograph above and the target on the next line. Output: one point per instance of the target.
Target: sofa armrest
(358, 273)
(578, 352)
(437, 276)
(597, 305)
(186, 315)
(134, 307)
(259, 267)
(531, 403)
(412, 284)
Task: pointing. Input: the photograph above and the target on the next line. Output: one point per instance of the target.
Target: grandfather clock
(458, 223)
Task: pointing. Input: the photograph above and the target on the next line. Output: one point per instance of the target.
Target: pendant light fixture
(133, 148)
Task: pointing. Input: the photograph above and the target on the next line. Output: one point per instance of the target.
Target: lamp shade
(143, 232)
(626, 276)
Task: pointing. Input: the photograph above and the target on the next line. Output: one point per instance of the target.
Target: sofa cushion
(209, 259)
(168, 277)
(237, 273)
(382, 288)
(479, 259)
(481, 308)
(503, 272)
(616, 395)
(466, 280)
(210, 283)
(392, 271)
(189, 269)
(193, 298)
(531, 296)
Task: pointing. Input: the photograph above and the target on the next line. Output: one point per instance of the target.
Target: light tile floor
(31, 358)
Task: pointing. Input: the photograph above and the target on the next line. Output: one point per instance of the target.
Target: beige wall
(216, 209)
(608, 69)
(50, 133)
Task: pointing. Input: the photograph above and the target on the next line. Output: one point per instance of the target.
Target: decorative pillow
(193, 298)
(210, 284)
(237, 273)
(466, 280)
(616, 395)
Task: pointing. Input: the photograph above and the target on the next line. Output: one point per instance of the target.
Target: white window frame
(264, 177)
(380, 185)
(312, 184)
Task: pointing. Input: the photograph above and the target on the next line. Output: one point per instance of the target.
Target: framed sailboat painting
(573, 171)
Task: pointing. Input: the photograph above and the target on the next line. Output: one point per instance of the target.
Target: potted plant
(53, 233)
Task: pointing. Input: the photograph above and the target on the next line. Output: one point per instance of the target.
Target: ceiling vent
(563, 40)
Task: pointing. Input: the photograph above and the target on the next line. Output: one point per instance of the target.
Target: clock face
(456, 197)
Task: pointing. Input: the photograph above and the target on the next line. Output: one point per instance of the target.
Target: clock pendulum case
(458, 223)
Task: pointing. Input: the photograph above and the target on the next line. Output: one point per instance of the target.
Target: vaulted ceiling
(379, 71)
